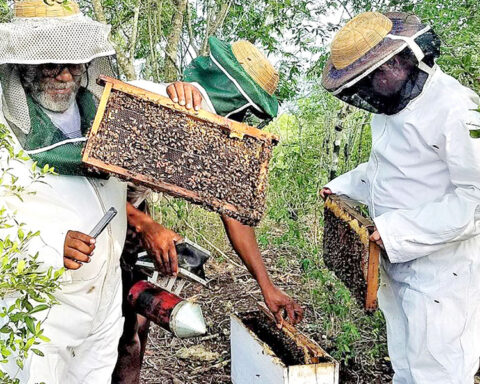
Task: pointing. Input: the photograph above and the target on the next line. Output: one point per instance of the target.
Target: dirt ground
(206, 359)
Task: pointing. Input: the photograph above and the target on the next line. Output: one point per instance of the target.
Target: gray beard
(55, 103)
(30, 77)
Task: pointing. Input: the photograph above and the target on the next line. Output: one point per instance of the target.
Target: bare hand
(278, 302)
(185, 94)
(324, 193)
(77, 249)
(375, 236)
(160, 244)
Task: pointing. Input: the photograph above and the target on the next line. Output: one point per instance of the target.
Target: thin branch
(133, 40)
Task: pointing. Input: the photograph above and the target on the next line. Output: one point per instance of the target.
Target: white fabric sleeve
(353, 184)
(410, 234)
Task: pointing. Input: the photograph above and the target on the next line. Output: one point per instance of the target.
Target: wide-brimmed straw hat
(366, 42)
(250, 71)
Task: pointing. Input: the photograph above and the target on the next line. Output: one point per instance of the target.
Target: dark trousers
(132, 344)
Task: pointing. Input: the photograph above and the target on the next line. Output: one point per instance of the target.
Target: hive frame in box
(362, 226)
(253, 361)
(234, 129)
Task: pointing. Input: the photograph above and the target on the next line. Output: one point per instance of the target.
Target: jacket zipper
(110, 238)
(374, 146)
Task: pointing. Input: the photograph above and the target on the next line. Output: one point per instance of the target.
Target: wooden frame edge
(371, 302)
(233, 126)
(98, 119)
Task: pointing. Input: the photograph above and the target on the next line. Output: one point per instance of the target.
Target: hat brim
(404, 24)
(71, 39)
(223, 54)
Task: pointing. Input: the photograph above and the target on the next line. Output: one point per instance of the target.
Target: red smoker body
(153, 302)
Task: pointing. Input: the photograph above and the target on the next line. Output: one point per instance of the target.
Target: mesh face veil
(73, 39)
(391, 86)
(391, 73)
(53, 37)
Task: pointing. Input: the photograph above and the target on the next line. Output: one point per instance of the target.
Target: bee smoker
(181, 317)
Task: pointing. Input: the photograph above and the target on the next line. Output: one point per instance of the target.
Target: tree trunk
(214, 23)
(170, 72)
(337, 143)
(124, 62)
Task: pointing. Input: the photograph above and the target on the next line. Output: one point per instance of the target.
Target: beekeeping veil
(236, 77)
(50, 32)
(367, 42)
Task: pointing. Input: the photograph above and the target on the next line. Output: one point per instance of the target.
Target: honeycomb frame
(366, 264)
(233, 135)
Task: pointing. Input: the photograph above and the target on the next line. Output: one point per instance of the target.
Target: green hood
(46, 144)
(229, 87)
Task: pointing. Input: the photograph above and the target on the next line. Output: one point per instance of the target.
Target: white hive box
(255, 362)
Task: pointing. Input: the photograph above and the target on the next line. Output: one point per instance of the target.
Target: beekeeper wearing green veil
(50, 56)
(233, 80)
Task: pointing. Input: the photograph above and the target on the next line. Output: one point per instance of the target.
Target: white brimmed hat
(49, 31)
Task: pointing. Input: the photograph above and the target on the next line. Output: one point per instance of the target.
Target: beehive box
(263, 354)
(348, 252)
(199, 156)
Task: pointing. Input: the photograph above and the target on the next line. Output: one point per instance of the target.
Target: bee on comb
(348, 252)
(204, 158)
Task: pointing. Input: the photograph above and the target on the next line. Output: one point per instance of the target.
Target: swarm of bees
(160, 146)
(348, 252)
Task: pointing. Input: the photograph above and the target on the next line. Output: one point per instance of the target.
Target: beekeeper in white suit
(422, 187)
(50, 56)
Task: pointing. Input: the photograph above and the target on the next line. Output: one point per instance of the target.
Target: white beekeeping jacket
(422, 181)
(61, 203)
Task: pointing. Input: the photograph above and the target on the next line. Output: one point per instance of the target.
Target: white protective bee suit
(422, 187)
(84, 328)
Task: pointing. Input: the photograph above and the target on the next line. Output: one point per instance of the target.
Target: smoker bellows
(348, 252)
(204, 158)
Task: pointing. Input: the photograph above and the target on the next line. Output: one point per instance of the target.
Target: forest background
(320, 136)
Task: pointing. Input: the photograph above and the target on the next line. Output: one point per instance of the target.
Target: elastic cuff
(388, 240)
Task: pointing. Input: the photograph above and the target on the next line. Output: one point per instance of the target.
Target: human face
(389, 78)
(53, 86)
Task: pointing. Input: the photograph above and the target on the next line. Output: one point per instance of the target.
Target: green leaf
(30, 324)
(39, 308)
(30, 343)
(20, 266)
(5, 352)
(475, 133)
(37, 352)
(44, 338)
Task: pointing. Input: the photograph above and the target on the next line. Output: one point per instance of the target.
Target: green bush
(20, 273)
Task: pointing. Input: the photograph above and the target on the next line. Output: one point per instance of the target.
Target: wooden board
(238, 155)
(349, 253)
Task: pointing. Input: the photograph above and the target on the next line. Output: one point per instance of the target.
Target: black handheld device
(102, 224)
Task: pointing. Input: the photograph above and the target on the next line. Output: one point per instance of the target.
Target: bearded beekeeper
(422, 187)
(50, 56)
(234, 80)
